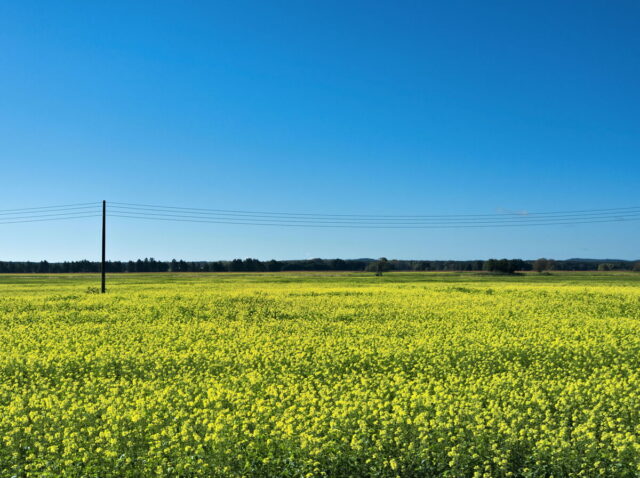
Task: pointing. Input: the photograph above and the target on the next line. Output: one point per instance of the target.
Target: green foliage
(543, 265)
(504, 266)
(254, 265)
(380, 266)
(417, 374)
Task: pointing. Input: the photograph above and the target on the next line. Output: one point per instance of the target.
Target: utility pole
(104, 245)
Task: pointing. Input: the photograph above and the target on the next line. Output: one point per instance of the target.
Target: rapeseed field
(304, 375)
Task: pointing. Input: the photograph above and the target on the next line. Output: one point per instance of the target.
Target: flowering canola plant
(303, 375)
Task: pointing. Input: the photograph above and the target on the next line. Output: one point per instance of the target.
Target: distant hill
(597, 261)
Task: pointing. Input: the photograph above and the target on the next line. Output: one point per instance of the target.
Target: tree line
(506, 266)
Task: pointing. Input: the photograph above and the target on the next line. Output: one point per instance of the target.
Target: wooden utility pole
(103, 269)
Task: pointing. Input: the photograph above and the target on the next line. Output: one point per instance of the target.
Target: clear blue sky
(320, 107)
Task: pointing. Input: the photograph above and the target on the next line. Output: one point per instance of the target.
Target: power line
(372, 226)
(81, 209)
(48, 213)
(363, 221)
(31, 216)
(70, 206)
(49, 219)
(288, 219)
(277, 214)
(378, 222)
(219, 216)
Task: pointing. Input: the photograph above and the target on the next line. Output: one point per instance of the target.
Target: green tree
(503, 266)
(380, 266)
(542, 265)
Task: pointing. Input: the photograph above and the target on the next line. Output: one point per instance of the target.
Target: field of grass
(416, 374)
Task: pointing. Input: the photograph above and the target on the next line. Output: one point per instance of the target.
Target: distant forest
(372, 265)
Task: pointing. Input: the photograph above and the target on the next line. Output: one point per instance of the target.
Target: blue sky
(320, 107)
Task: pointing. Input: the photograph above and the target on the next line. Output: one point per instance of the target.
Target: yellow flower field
(417, 374)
